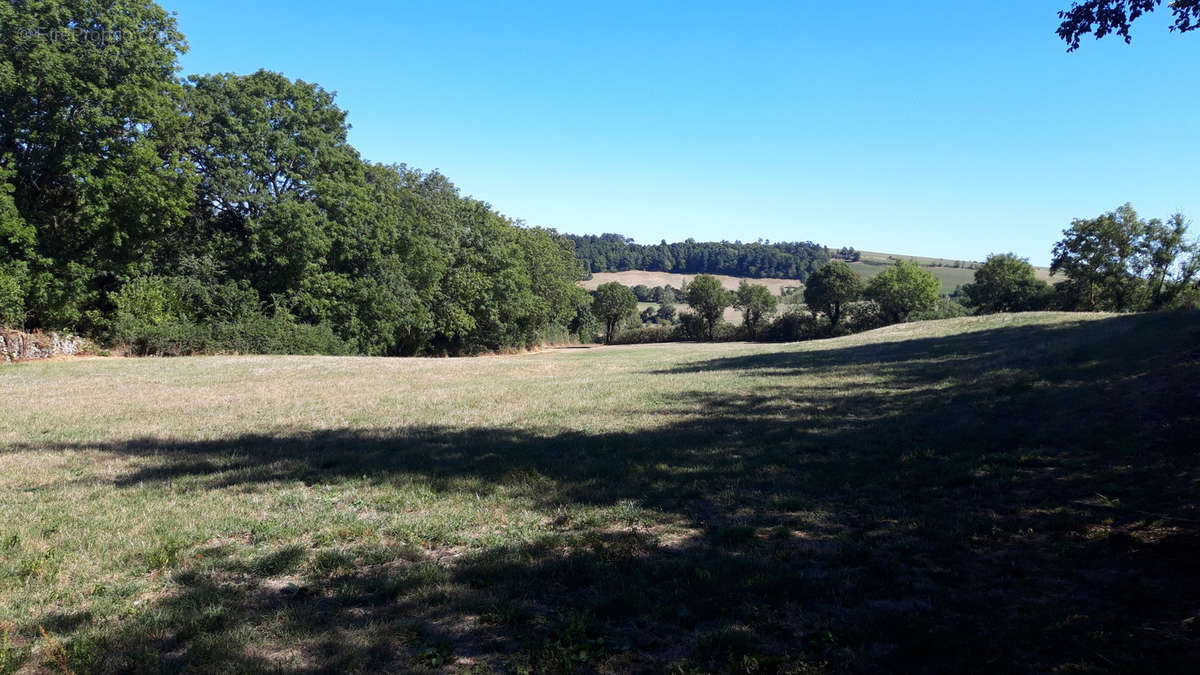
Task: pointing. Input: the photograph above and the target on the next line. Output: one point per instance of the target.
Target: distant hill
(754, 260)
(614, 257)
(635, 277)
(951, 273)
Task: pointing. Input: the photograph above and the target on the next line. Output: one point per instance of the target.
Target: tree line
(833, 291)
(1117, 261)
(229, 212)
(616, 253)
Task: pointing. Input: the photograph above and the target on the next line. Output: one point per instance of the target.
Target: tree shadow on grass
(1014, 500)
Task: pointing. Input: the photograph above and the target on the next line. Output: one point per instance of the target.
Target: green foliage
(666, 313)
(902, 290)
(12, 294)
(613, 303)
(145, 304)
(90, 149)
(1118, 261)
(831, 287)
(1103, 17)
(708, 298)
(756, 303)
(645, 335)
(848, 253)
(951, 308)
(868, 315)
(1100, 258)
(240, 197)
(793, 326)
(692, 326)
(659, 294)
(250, 335)
(616, 253)
(1173, 262)
(1006, 283)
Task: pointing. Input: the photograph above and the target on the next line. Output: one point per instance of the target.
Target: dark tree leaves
(1102, 17)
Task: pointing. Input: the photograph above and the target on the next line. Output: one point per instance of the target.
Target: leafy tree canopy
(902, 290)
(708, 298)
(616, 253)
(1005, 283)
(613, 303)
(756, 303)
(832, 287)
(1102, 17)
(1119, 261)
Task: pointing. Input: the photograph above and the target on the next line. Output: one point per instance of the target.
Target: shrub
(145, 305)
(646, 335)
(691, 327)
(794, 326)
(946, 308)
(255, 335)
(173, 338)
(262, 335)
(864, 315)
(12, 296)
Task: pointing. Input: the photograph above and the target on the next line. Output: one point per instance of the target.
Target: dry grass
(919, 497)
(652, 279)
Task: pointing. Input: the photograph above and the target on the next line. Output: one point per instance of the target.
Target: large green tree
(830, 288)
(613, 303)
(1005, 283)
(902, 290)
(90, 149)
(1103, 259)
(708, 298)
(1173, 262)
(756, 303)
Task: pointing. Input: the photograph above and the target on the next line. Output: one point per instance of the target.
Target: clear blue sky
(950, 129)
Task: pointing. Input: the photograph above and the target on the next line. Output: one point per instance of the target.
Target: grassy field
(994, 494)
(942, 268)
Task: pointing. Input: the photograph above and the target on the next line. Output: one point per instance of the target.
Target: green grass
(1007, 493)
(944, 269)
(949, 277)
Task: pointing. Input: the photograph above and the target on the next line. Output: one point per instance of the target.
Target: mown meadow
(1010, 493)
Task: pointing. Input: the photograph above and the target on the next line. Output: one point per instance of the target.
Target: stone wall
(18, 346)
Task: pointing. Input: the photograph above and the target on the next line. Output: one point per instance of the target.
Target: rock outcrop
(18, 346)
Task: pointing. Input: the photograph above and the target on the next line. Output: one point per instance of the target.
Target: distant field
(943, 268)
(988, 494)
(870, 265)
(636, 277)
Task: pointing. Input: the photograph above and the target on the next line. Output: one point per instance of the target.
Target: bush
(264, 335)
(174, 338)
(864, 315)
(795, 326)
(255, 335)
(692, 327)
(647, 335)
(946, 308)
(146, 306)
(12, 297)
